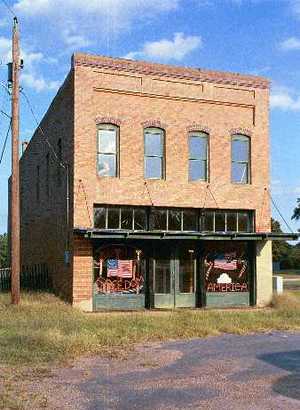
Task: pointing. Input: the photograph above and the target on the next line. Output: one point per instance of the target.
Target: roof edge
(164, 70)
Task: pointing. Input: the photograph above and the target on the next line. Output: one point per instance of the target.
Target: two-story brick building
(149, 187)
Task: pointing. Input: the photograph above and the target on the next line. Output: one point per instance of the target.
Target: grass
(44, 330)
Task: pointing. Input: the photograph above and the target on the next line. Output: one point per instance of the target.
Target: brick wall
(134, 95)
(43, 222)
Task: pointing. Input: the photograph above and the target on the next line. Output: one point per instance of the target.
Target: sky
(259, 37)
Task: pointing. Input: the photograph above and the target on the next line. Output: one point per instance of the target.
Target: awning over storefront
(146, 235)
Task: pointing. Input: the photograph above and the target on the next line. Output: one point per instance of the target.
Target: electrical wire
(5, 142)
(42, 131)
(213, 197)
(8, 7)
(278, 210)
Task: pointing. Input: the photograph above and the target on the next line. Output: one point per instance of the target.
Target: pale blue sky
(248, 36)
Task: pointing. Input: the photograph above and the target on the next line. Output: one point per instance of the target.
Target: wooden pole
(15, 179)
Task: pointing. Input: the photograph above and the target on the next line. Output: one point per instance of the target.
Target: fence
(32, 278)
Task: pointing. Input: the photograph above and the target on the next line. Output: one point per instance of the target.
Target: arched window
(154, 153)
(240, 159)
(198, 156)
(108, 150)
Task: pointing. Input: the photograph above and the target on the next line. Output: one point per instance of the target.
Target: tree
(296, 214)
(3, 251)
(281, 249)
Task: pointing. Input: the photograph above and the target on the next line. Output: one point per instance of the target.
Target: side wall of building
(44, 230)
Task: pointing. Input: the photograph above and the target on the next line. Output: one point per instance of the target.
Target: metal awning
(146, 235)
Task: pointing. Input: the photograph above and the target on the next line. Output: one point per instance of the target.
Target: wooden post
(15, 179)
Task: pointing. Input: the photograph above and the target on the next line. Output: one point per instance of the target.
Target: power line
(8, 8)
(5, 142)
(278, 210)
(42, 131)
(212, 195)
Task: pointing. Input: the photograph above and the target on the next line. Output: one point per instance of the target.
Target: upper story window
(108, 150)
(198, 156)
(154, 153)
(240, 159)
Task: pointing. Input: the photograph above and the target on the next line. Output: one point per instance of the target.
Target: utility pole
(15, 176)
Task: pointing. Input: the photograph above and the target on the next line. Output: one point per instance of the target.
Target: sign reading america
(226, 271)
(119, 267)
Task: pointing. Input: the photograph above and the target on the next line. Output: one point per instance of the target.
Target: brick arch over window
(241, 131)
(154, 124)
(108, 120)
(199, 128)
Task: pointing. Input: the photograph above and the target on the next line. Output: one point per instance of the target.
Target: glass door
(163, 283)
(185, 278)
(173, 280)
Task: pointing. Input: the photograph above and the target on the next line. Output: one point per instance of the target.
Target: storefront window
(207, 222)
(220, 222)
(171, 219)
(100, 218)
(140, 219)
(243, 222)
(119, 270)
(231, 222)
(158, 220)
(126, 218)
(190, 220)
(226, 268)
(174, 220)
(113, 218)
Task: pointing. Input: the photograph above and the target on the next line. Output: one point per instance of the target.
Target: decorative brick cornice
(162, 70)
(243, 131)
(154, 123)
(108, 120)
(198, 127)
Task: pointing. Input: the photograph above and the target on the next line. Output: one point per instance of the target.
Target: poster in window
(226, 268)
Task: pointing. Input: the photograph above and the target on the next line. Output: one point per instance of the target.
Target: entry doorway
(173, 278)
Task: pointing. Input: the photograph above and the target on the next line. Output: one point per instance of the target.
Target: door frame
(172, 300)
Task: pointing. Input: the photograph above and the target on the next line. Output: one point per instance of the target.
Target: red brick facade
(135, 95)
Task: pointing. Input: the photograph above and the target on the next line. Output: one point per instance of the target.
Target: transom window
(226, 221)
(172, 219)
(240, 159)
(198, 156)
(125, 217)
(154, 153)
(108, 150)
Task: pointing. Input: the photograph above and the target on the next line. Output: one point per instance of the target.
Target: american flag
(120, 268)
(112, 267)
(225, 264)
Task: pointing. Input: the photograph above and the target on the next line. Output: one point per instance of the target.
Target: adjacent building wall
(43, 220)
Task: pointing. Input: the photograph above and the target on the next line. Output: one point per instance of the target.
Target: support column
(264, 272)
(83, 274)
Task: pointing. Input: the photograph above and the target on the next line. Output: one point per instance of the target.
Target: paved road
(227, 372)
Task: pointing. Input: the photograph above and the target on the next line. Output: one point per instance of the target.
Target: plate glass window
(158, 220)
(100, 218)
(240, 161)
(108, 150)
(154, 153)
(198, 156)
